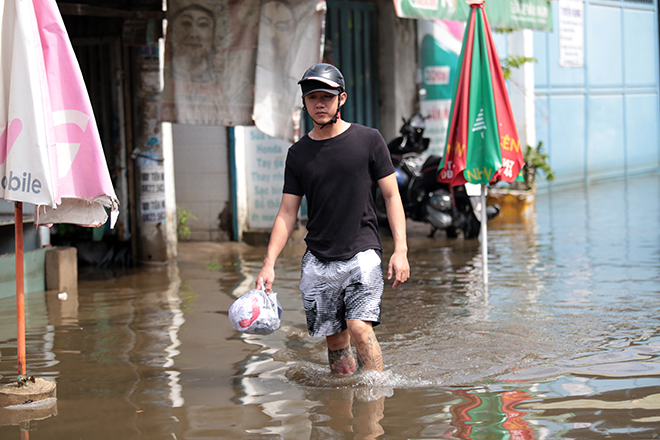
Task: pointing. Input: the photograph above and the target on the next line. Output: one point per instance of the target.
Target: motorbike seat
(431, 161)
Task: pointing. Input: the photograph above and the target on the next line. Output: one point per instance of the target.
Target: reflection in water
(347, 414)
(490, 415)
(178, 320)
(119, 342)
(566, 343)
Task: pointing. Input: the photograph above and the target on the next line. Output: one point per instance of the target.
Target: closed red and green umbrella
(482, 142)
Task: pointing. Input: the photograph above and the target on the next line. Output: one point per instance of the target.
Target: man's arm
(397, 218)
(285, 222)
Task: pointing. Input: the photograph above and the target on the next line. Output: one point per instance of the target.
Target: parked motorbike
(447, 208)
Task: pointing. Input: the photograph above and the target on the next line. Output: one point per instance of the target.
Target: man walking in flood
(337, 166)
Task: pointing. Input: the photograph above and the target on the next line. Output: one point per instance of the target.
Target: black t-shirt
(338, 176)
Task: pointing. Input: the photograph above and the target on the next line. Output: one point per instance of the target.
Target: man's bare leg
(369, 354)
(340, 355)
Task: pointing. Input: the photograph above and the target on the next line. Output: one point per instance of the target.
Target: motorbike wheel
(472, 227)
(452, 232)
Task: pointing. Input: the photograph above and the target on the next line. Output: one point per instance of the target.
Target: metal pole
(20, 293)
(484, 234)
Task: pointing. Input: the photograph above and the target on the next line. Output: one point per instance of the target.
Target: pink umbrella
(50, 149)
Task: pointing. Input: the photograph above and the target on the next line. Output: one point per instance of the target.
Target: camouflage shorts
(336, 291)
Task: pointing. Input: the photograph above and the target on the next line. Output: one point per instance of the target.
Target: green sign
(508, 14)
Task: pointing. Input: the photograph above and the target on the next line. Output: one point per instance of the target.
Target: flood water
(564, 343)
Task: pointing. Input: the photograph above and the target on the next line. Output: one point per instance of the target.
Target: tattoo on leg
(369, 354)
(342, 360)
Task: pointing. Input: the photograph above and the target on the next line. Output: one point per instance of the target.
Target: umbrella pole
(484, 234)
(20, 293)
(26, 389)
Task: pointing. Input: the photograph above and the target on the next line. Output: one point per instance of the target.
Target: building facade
(599, 119)
(596, 119)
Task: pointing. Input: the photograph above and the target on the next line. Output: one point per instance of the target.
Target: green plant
(184, 215)
(535, 159)
(513, 62)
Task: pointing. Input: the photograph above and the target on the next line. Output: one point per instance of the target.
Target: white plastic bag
(256, 312)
